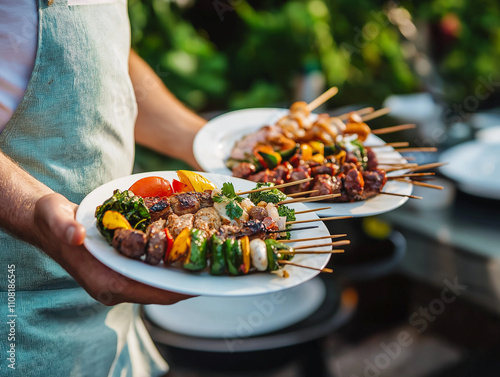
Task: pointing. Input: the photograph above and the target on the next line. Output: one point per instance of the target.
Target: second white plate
(214, 142)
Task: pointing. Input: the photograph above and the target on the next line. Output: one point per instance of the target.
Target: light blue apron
(73, 131)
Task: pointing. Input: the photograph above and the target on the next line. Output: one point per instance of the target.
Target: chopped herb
(273, 195)
(233, 210)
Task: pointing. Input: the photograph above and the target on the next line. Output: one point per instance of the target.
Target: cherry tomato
(178, 186)
(152, 186)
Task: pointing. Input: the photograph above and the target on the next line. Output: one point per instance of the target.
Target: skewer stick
(406, 150)
(428, 166)
(327, 270)
(394, 145)
(376, 114)
(423, 184)
(322, 98)
(318, 219)
(336, 251)
(410, 175)
(301, 193)
(336, 243)
(401, 195)
(399, 167)
(290, 230)
(314, 238)
(360, 112)
(388, 130)
(309, 199)
(409, 158)
(312, 210)
(277, 186)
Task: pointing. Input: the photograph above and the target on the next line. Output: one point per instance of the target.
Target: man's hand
(61, 236)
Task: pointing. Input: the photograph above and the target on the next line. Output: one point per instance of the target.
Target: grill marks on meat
(130, 242)
(190, 202)
(177, 224)
(185, 203)
(159, 207)
(157, 242)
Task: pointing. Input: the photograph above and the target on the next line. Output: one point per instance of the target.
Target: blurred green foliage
(229, 54)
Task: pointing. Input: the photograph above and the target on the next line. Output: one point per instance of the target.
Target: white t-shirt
(18, 43)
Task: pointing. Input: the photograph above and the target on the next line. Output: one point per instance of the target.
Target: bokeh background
(436, 64)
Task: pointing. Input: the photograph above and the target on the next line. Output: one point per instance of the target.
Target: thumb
(58, 214)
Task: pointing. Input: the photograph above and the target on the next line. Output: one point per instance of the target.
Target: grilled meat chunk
(159, 207)
(297, 175)
(157, 242)
(183, 203)
(372, 159)
(257, 213)
(326, 184)
(244, 170)
(177, 223)
(207, 219)
(205, 199)
(354, 183)
(130, 242)
(374, 182)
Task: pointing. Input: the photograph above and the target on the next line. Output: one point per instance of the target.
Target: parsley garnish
(233, 210)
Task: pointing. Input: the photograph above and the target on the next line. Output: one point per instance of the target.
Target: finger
(59, 215)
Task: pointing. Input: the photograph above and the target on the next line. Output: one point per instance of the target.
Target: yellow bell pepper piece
(115, 220)
(318, 147)
(307, 152)
(181, 246)
(245, 249)
(195, 181)
(319, 158)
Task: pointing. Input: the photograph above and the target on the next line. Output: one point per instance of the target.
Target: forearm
(20, 192)
(163, 123)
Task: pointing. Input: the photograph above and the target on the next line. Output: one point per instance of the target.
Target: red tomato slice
(152, 186)
(178, 186)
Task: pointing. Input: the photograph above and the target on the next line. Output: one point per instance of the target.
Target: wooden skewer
(428, 166)
(336, 243)
(376, 114)
(336, 251)
(406, 150)
(322, 98)
(409, 158)
(394, 145)
(403, 196)
(423, 184)
(301, 193)
(327, 270)
(312, 210)
(360, 112)
(399, 167)
(277, 186)
(309, 199)
(314, 238)
(318, 219)
(388, 130)
(410, 175)
(291, 230)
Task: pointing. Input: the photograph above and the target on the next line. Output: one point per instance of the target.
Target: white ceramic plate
(239, 317)
(203, 283)
(214, 142)
(475, 167)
